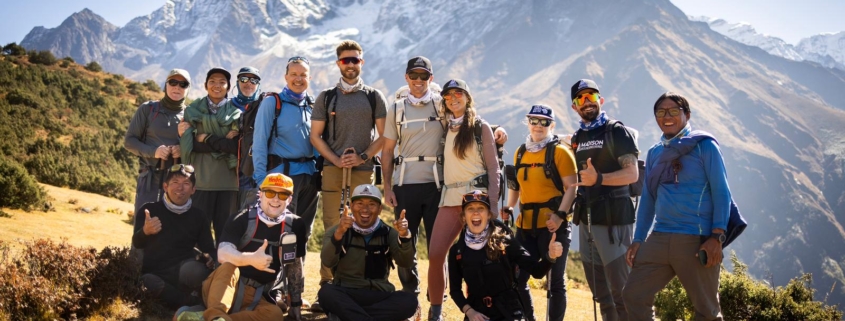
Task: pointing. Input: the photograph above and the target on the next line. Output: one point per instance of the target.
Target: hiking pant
(247, 196)
(146, 190)
(217, 206)
(537, 245)
(332, 181)
(420, 202)
(447, 227)
(218, 293)
(607, 266)
(660, 258)
(304, 202)
(363, 304)
(174, 285)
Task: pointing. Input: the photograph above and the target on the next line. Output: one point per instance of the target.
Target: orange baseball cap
(278, 182)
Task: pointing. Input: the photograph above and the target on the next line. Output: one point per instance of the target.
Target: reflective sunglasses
(271, 194)
(350, 60)
(298, 59)
(182, 168)
(174, 83)
(419, 75)
(473, 197)
(580, 100)
(457, 94)
(246, 79)
(674, 112)
(541, 121)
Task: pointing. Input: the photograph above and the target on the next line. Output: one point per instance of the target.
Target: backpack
(252, 227)
(248, 128)
(635, 188)
(400, 96)
(482, 180)
(549, 167)
(377, 255)
(330, 95)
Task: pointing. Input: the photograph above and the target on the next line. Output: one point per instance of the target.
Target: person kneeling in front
(242, 288)
(360, 251)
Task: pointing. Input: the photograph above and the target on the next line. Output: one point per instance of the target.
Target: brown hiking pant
(218, 293)
(660, 258)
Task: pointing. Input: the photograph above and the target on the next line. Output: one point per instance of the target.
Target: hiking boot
(306, 305)
(315, 306)
(332, 317)
(434, 316)
(417, 315)
(183, 315)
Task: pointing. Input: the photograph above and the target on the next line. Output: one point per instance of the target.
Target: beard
(351, 73)
(590, 115)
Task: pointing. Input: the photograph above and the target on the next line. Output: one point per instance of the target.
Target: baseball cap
(278, 182)
(455, 83)
(541, 111)
(366, 190)
(220, 70)
(583, 84)
(249, 70)
(475, 196)
(181, 72)
(419, 62)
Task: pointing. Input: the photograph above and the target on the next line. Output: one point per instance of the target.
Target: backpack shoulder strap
(155, 106)
(371, 97)
(251, 227)
(278, 112)
(398, 119)
(550, 166)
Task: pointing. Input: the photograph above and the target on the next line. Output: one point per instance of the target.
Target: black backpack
(549, 166)
(635, 188)
(330, 95)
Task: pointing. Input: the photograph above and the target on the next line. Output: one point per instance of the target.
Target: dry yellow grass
(104, 227)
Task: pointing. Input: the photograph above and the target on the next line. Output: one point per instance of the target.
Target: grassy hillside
(65, 123)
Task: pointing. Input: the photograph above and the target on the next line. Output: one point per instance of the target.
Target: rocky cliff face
(779, 121)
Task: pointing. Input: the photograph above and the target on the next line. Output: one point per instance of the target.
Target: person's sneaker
(417, 315)
(184, 315)
(306, 305)
(315, 306)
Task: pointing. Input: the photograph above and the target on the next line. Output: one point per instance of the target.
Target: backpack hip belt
(478, 181)
(401, 161)
(551, 204)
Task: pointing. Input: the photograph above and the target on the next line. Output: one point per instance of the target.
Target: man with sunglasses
(261, 251)
(606, 154)
(171, 232)
(344, 125)
(152, 135)
(688, 201)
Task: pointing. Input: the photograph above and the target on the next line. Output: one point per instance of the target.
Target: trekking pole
(549, 294)
(591, 243)
(160, 179)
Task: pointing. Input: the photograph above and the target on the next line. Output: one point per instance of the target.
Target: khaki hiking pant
(660, 258)
(218, 293)
(332, 180)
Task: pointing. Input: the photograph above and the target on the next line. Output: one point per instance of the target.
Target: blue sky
(789, 20)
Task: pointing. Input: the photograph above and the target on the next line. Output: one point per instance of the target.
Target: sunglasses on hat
(419, 75)
(246, 79)
(271, 194)
(298, 59)
(174, 83)
(474, 197)
(182, 168)
(540, 121)
(582, 99)
(350, 60)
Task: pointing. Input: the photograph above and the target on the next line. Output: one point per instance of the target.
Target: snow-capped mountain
(825, 49)
(786, 164)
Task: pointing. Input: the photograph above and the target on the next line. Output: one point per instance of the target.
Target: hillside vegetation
(65, 123)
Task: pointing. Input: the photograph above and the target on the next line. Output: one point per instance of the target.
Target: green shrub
(14, 49)
(94, 66)
(151, 85)
(42, 57)
(743, 298)
(114, 87)
(18, 189)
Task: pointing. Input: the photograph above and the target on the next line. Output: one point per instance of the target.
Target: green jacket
(349, 271)
(214, 171)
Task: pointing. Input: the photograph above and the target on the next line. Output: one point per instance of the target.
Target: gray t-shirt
(419, 138)
(352, 125)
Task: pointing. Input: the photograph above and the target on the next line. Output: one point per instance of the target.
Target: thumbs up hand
(555, 248)
(152, 225)
(588, 175)
(260, 260)
(345, 223)
(401, 225)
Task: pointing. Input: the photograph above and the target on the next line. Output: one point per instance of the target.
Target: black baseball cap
(455, 83)
(584, 84)
(249, 70)
(220, 70)
(475, 196)
(419, 62)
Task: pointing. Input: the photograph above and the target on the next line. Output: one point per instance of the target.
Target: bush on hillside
(743, 298)
(94, 67)
(18, 189)
(49, 281)
(114, 87)
(151, 85)
(14, 49)
(42, 57)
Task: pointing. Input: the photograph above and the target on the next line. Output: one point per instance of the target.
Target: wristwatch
(364, 156)
(721, 237)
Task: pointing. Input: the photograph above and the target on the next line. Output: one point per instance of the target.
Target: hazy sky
(789, 20)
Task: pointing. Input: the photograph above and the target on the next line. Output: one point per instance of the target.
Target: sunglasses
(182, 168)
(540, 121)
(350, 60)
(472, 197)
(593, 97)
(674, 112)
(298, 59)
(457, 94)
(246, 79)
(271, 194)
(174, 83)
(418, 75)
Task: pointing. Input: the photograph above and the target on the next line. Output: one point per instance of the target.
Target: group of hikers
(228, 190)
